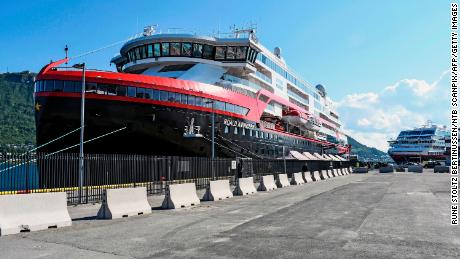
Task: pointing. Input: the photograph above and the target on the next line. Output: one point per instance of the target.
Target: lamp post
(82, 132)
(212, 139)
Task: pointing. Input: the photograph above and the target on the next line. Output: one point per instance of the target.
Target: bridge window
(149, 51)
(165, 49)
(230, 107)
(163, 96)
(207, 51)
(241, 53)
(156, 50)
(226, 129)
(111, 90)
(148, 93)
(155, 95)
(58, 86)
(138, 55)
(143, 54)
(186, 49)
(191, 100)
(175, 49)
(220, 52)
(231, 52)
(91, 87)
(235, 131)
(197, 50)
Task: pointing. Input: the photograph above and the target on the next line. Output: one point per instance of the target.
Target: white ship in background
(429, 142)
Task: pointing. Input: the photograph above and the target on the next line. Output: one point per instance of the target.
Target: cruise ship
(429, 142)
(170, 87)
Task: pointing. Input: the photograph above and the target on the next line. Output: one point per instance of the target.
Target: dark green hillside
(366, 153)
(17, 125)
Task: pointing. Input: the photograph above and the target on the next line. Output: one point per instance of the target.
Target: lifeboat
(301, 120)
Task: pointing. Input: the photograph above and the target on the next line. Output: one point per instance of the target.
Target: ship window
(156, 50)
(150, 51)
(244, 111)
(256, 133)
(243, 131)
(219, 105)
(226, 129)
(91, 87)
(220, 52)
(191, 100)
(197, 50)
(148, 93)
(183, 98)
(138, 56)
(199, 101)
(69, 86)
(261, 134)
(165, 49)
(231, 52)
(112, 90)
(207, 51)
(175, 49)
(131, 91)
(49, 85)
(58, 85)
(40, 86)
(172, 97)
(235, 131)
(78, 86)
(230, 107)
(186, 49)
(143, 54)
(121, 90)
(155, 95)
(163, 96)
(250, 132)
(241, 52)
(101, 89)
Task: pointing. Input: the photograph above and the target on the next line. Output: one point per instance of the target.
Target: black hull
(150, 129)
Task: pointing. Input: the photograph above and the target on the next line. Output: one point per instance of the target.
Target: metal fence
(60, 172)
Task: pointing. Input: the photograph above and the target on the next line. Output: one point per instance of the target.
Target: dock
(402, 215)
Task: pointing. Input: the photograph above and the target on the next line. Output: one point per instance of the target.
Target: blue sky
(383, 62)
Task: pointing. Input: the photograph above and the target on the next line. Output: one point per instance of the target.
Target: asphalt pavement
(395, 215)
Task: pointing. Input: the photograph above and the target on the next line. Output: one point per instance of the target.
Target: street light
(212, 138)
(82, 131)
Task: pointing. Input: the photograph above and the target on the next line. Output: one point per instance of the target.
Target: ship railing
(42, 172)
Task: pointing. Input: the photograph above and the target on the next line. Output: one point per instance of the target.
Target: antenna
(66, 49)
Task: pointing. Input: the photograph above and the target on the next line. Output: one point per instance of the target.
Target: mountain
(366, 153)
(17, 123)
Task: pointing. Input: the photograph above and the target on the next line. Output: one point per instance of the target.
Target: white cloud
(359, 100)
(375, 117)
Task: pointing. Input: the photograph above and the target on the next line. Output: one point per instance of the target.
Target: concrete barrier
(316, 176)
(333, 173)
(218, 190)
(245, 186)
(350, 170)
(337, 172)
(307, 177)
(282, 181)
(323, 174)
(342, 171)
(180, 196)
(415, 169)
(386, 169)
(329, 173)
(441, 169)
(267, 183)
(297, 179)
(124, 202)
(360, 170)
(32, 212)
